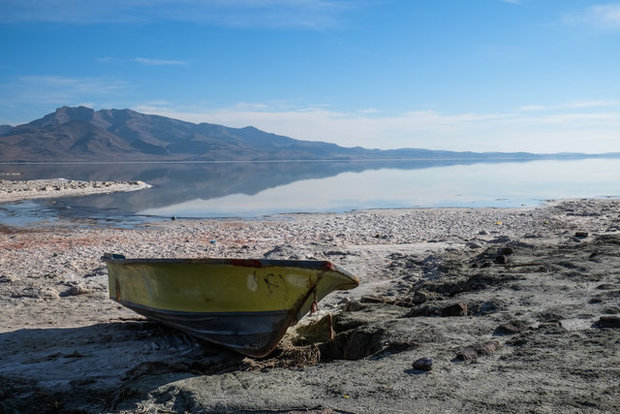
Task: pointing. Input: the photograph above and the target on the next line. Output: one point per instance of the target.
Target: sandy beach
(458, 310)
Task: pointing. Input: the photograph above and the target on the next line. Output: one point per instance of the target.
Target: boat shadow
(106, 360)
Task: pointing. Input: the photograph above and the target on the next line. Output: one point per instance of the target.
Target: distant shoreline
(530, 157)
(17, 190)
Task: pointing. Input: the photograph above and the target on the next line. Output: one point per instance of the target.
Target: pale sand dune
(65, 344)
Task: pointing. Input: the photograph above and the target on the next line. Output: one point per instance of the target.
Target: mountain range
(83, 134)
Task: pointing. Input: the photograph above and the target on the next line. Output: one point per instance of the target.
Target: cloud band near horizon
(573, 129)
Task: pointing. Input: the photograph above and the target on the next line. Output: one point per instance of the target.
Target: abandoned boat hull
(245, 305)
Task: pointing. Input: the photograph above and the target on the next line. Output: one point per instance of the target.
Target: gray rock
(500, 239)
(420, 297)
(611, 321)
(511, 328)
(353, 306)
(423, 364)
(77, 290)
(458, 309)
(505, 251)
(501, 259)
(472, 352)
(606, 286)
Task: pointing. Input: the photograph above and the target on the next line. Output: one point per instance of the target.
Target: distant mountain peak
(63, 115)
(81, 133)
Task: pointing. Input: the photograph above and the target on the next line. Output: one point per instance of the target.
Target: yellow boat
(242, 304)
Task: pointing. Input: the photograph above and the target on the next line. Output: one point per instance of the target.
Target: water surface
(252, 189)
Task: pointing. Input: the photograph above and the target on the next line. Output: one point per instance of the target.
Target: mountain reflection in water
(256, 188)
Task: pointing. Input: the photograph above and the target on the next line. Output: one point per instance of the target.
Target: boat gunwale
(324, 265)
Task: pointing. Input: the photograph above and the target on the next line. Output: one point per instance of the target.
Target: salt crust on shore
(66, 345)
(14, 190)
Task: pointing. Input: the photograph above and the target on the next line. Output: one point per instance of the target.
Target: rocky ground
(459, 310)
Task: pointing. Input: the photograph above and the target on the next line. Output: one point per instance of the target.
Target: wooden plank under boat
(242, 304)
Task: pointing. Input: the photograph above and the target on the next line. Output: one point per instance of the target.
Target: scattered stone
(581, 234)
(404, 303)
(551, 328)
(606, 286)
(31, 292)
(420, 297)
(423, 364)
(611, 322)
(376, 299)
(276, 249)
(501, 259)
(500, 239)
(315, 332)
(458, 309)
(353, 306)
(484, 308)
(49, 293)
(505, 251)
(472, 352)
(474, 245)
(337, 253)
(6, 279)
(78, 290)
(511, 328)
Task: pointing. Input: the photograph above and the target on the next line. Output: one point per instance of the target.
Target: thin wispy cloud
(59, 90)
(593, 104)
(300, 14)
(159, 62)
(511, 1)
(600, 16)
(581, 104)
(143, 61)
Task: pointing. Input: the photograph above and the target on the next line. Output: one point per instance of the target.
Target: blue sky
(483, 75)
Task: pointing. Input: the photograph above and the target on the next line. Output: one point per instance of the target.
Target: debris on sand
(474, 351)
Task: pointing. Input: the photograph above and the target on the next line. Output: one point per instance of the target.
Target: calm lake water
(252, 189)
